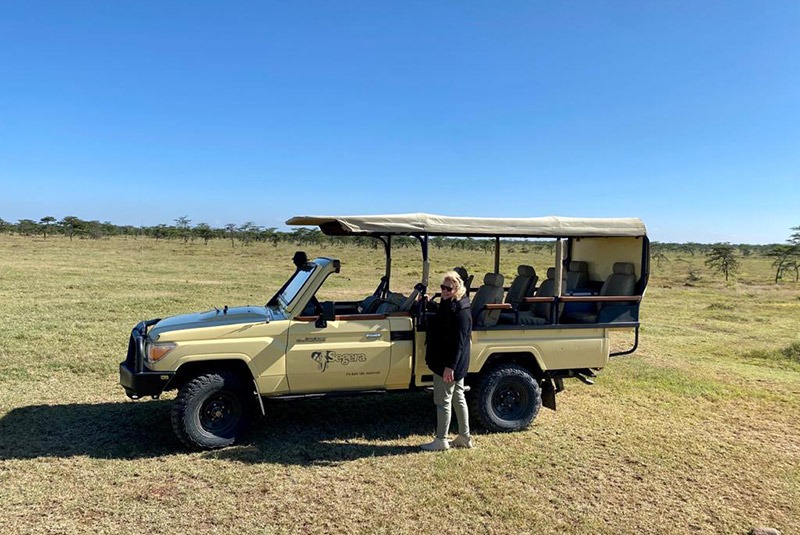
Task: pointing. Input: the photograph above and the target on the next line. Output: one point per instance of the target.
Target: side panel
(347, 354)
(261, 346)
(402, 353)
(553, 349)
(420, 369)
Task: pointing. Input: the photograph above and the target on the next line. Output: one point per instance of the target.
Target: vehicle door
(349, 353)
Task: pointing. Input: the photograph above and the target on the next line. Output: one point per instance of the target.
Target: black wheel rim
(510, 400)
(220, 413)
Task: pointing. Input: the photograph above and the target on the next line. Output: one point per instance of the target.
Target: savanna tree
(45, 224)
(182, 228)
(28, 227)
(204, 231)
(657, 254)
(231, 228)
(722, 260)
(787, 257)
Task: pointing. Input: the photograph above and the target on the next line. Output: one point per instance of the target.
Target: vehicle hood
(210, 318)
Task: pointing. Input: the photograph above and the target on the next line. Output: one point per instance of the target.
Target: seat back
(577, 275)
(522, 286)
(369, 305)
(394, 302)
(546, 289)
(621, 282)
(490, 293)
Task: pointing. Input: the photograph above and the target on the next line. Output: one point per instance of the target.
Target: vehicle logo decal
(311, 339)
(344, 359)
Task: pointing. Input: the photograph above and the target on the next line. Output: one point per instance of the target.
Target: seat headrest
(493, 279)
(623, 268)
(462, 272)
(551, 273)
(526, 271)
(577, 265)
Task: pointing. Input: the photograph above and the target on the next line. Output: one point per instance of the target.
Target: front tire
(211, 411)
(508, 398)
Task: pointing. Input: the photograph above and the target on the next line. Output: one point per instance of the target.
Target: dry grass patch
(695, 433)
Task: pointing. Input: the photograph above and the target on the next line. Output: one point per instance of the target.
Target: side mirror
(328, 314)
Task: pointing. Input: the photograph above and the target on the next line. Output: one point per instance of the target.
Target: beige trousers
(442, 398)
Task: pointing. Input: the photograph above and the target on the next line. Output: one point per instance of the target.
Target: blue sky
(683, 113)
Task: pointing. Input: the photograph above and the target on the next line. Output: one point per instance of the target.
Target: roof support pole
(388, 245)
(497, 254)
(559, 266)
(426, 264)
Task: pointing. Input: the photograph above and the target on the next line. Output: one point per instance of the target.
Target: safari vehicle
(527, 337)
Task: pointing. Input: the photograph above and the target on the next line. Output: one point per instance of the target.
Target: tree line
(722, 258)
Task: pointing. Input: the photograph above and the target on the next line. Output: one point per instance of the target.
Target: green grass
(695, 433)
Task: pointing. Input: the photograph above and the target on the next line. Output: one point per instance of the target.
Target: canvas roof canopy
(438, 225)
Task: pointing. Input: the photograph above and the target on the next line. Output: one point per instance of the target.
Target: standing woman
(447, 356)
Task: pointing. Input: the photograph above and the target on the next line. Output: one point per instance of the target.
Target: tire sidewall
(224, 388)
(513, 379)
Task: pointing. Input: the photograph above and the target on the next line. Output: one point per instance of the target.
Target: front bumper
(137, 380)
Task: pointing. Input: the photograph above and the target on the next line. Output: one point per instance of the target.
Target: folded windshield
(294, 286)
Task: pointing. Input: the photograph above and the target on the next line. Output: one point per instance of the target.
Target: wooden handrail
(538, 299)
(498, 306)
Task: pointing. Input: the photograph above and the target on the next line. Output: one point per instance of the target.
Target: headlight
(157, 351)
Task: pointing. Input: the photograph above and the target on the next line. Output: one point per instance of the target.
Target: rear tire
(212, 410)
(508, 398)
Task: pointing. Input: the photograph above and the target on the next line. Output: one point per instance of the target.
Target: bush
(790, 352)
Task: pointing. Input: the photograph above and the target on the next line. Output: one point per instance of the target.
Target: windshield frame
(293, 287)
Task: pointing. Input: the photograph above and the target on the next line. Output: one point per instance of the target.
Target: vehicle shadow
(301, 432)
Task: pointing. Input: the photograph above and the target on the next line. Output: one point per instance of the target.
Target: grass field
(697, 432)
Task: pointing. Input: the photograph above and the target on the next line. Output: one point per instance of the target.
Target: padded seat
(394, 302)
(621, 282)
(540, 313)
(369, 305)
(577, 275)
(521, 287)
(490, 293)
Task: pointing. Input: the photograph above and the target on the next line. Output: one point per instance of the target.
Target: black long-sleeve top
(448, 340)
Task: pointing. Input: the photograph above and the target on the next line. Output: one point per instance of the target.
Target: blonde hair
(458, 285)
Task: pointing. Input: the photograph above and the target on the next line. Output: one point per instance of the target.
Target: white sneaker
(462, 441)
(436, 445)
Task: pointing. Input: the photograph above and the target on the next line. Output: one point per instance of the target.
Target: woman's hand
(448, 375)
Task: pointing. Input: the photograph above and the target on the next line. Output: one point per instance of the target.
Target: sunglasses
(446, 287)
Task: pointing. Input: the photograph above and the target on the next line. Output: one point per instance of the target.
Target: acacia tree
(204, 231)
(787, 257)
(786, 261)
(182, 225)
(722, 260)
(28, 227)
(46, 222)
(71, 224)
(657, 253)
(231, 228)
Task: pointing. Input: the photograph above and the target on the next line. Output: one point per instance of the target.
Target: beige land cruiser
(528, 336)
